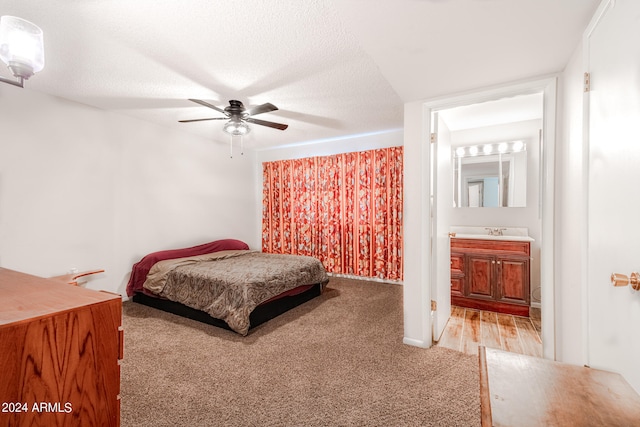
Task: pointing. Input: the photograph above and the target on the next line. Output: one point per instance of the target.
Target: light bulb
(518, 146)
(21, 46)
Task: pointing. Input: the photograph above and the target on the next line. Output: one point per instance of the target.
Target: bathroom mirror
(490, 175)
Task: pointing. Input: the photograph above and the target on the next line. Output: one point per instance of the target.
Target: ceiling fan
(239, 116)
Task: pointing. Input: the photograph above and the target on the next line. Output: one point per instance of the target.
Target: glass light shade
(236, 128)
(21, 46)
(518, 146)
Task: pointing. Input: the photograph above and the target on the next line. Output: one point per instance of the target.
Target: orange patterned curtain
(345, 210)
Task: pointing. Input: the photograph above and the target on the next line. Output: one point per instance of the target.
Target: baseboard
(368, 279)
(415, 343)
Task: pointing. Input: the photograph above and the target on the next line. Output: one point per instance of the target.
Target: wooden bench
(522, 391)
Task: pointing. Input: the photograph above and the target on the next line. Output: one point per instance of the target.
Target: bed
(225, 284)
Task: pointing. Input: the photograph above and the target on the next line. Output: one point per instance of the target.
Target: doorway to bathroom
(491, 167)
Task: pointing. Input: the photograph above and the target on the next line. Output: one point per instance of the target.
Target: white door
(613, 52)
(442, 204)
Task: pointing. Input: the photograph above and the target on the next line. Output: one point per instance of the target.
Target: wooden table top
(518, 390)
(25, 297)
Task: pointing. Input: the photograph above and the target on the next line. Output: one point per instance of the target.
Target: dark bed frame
(259, 315)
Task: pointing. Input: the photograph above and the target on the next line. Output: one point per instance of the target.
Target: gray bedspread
(228, 285)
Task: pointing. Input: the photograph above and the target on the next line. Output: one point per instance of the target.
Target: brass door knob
(618, 279)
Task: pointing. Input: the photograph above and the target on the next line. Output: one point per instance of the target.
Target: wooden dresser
(491, 275)
(60, 347)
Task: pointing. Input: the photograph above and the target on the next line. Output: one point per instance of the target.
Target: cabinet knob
(493, 262)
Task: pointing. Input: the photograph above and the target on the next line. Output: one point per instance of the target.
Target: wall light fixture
(21, 48)
(487, 149)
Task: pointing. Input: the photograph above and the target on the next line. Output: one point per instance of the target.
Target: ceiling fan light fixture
(236, 128)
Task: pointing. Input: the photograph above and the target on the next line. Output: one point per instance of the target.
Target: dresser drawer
(480, 245)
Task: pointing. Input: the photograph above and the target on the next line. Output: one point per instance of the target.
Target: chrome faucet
(495, 231)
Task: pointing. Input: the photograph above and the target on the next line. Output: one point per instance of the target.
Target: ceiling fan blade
(266, 123)
(206, 104)
(201, 120)
(264, 108)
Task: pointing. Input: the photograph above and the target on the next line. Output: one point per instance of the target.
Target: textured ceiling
(333, 67)
(429, 48)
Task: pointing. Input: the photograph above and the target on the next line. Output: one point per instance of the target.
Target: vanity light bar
(495, 148)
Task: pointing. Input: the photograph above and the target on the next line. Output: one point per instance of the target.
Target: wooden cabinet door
(513, 279)
(480, 276)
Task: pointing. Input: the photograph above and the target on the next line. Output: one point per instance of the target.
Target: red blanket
(141, 268)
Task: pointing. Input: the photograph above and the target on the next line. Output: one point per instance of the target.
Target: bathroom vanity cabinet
(491, 275)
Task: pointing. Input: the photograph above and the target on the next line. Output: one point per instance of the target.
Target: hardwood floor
(469, 328)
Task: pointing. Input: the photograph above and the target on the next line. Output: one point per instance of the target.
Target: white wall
(353, 143)
(509, 217)
(417, 231)
(84, 188)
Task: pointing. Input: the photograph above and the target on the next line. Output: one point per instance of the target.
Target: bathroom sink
(508, 233)
(489, 237)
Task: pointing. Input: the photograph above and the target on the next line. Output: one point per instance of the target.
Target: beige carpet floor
(337, 360)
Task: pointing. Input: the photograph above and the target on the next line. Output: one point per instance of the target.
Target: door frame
(440, 242)
(548, 86)
(604, 7)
